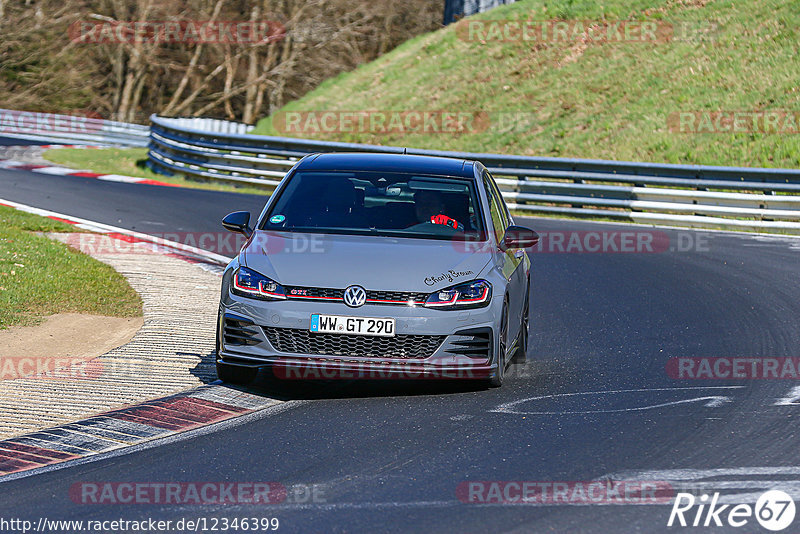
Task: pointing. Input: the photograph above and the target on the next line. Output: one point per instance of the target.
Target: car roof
(382, 162)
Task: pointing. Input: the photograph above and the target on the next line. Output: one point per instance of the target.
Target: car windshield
(385, 204)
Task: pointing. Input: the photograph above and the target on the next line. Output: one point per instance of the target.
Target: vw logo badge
(355, 296)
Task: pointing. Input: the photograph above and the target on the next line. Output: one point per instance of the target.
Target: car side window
(495, 210)
(503, 208)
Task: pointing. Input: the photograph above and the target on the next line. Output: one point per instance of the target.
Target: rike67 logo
(774, 510)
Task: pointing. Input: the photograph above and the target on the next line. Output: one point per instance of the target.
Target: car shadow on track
(271, 385)
(267, 384)
(205, 370)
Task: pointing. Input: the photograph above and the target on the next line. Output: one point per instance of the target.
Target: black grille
(397, 298)
(400, 346)
(239, 332)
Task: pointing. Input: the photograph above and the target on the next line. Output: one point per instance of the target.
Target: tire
(524, 329)
(236, 374)
(497, 380)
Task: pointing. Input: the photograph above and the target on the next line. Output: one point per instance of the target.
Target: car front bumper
(436, 344)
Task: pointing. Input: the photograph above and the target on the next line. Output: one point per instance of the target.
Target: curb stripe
(84, 441)
(99, 432)
(9, 163)
(28, 167)
(148, 181)
(35, 440)
(66, 171)
(9, 465)
(158, 415)
(55, 442)
(196, 411)
(152, 421)
(58, 171)
(217, 405)
(59, 219)
(123, 179)
(38, 451)
(128, 426)
(239, 401)
(5, 455)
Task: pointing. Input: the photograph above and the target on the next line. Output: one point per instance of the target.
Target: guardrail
(53, 127)
(681, 195)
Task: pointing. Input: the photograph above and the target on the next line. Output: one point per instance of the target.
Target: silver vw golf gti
(377, 266)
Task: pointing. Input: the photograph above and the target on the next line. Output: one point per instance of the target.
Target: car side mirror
(519, 237)
(238, 221)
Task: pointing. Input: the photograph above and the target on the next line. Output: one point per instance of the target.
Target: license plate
(341, 324)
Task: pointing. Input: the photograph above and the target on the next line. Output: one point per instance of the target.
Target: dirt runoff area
(60, 340)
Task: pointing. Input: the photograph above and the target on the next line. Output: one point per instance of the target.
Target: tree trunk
(252, 74)
(230, 72)
(176, 96)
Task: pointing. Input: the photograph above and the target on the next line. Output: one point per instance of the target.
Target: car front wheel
(522, 346)
(497, 380)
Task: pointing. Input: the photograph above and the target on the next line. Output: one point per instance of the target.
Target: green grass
(40, 277)
(130, 162)
(608, 101)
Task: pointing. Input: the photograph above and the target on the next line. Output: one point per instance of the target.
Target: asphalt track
(12, 141)
(592, 397)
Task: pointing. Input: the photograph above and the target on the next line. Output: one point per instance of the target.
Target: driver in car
(430, 209)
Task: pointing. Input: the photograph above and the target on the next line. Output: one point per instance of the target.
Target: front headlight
(475, 294)
(248, 283)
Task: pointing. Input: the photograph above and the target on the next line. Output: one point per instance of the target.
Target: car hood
(376, 263)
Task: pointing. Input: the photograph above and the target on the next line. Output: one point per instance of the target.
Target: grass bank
(607, 98)
(40, 277)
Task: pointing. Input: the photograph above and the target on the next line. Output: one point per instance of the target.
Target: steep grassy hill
(618, 99)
